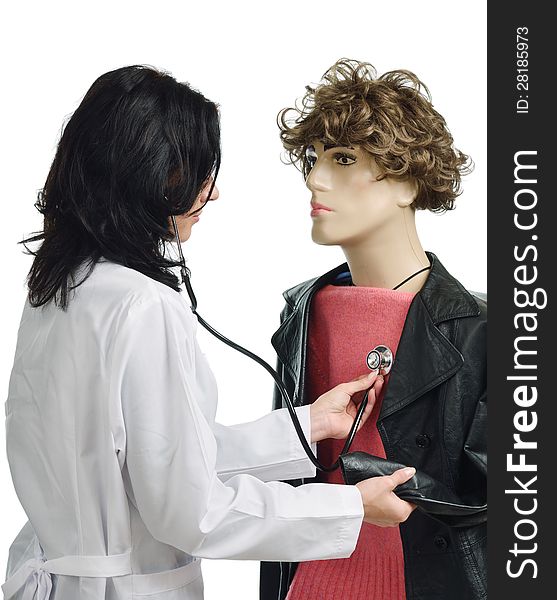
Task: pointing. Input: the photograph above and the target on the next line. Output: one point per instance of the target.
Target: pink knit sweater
(345, 324)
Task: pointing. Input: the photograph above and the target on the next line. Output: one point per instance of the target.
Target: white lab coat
(118, 462)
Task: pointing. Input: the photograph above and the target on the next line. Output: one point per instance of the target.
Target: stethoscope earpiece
(380, 359)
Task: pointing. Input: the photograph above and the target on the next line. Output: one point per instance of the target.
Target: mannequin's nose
(317, 179)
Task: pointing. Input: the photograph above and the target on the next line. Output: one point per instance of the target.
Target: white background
(253, 58)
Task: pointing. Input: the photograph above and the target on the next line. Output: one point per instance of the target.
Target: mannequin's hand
(333, 413)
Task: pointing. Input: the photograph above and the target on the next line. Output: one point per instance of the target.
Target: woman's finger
(373, 394)
(368, 409)
(376, 388)
(371, 398)
(357, 385)
(400, 476)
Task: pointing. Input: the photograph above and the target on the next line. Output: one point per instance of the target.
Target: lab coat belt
(35, 574)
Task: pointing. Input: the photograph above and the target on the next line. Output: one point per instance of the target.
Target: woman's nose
(208, 193)
(214, 193)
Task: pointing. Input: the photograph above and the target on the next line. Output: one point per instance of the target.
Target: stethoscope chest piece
(380, 359)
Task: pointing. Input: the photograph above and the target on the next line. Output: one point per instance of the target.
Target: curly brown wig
(391, 117)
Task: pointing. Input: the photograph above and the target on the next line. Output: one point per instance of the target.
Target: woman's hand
(333, 413)
(382, 506)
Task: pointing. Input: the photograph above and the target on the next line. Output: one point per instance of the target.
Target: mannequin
(370, 217)
(373, 150)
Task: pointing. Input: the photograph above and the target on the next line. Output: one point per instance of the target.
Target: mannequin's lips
(318, 205)
(319, 209)
(316, 212)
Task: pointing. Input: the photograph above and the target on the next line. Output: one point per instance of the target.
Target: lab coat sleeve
(268, 448)
(171, 459)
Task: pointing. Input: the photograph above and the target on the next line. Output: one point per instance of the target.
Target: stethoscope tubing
(282, 389)
(289, 404)
(185, 273)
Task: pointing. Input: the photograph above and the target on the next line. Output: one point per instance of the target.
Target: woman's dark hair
(139, 148)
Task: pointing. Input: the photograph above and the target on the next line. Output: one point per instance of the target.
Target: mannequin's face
(187, 220)
(344, 180)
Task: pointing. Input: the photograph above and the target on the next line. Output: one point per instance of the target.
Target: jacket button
(441, 542)
(423, 440)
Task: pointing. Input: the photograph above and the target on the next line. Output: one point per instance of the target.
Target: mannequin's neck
(387, 257)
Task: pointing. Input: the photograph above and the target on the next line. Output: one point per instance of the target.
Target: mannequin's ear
(408, 192)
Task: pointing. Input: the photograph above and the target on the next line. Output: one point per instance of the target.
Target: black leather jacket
(433, 417)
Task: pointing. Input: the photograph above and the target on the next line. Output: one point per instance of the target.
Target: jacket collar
(425, 356)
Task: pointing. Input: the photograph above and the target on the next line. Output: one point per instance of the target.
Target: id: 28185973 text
(522, 70)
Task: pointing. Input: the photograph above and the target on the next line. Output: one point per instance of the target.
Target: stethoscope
(380, 359)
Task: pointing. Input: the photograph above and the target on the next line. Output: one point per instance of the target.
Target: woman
(125, 477)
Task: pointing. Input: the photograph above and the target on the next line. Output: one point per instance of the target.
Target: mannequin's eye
(344, 160)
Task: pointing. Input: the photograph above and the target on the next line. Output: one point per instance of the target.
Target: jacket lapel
(290, 339)
(425, 357)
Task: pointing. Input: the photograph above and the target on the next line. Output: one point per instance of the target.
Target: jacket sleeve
(429, 494)
(475, 446)
(289, 383)
(171, 459)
